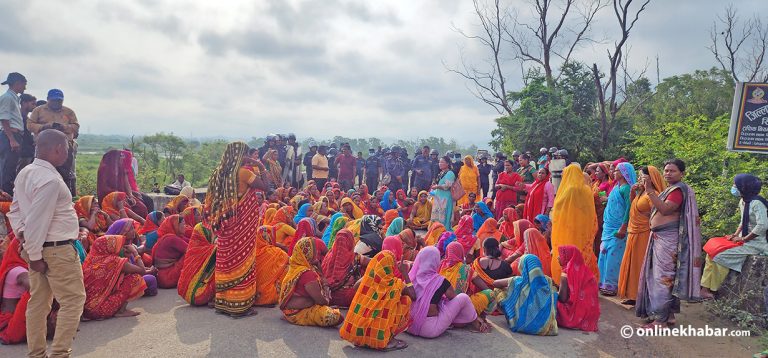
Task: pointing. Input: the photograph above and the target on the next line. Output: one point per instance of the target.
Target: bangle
(409, 284)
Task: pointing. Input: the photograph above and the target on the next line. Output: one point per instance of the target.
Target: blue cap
(55, 94)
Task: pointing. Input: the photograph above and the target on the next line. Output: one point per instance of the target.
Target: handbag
(457, 191)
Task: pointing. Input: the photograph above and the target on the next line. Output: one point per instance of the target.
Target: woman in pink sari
(578, 306)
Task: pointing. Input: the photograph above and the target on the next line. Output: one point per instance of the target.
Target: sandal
(398, 345)
(628, 302)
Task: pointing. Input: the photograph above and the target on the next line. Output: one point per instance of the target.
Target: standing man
(290, 159)
(333, 172)
(346, 167)
(407, 166)
(45, 222)
(12, 127)
(308, 159)
(372, 170)
(360, 168)
(395, 169)
(54, 115)
(485, 172)
(320, 168)
(27, 155)
(434, 164)
(526, 171)
(422, 169)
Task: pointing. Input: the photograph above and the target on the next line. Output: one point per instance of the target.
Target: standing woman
(615, 223)
(234, 215)
(442, 201)
(540, 197)
(469, 176)
(574, 221)
(601, 188)
(505, 189)
(639, 232)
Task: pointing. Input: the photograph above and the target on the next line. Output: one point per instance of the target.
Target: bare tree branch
(748, 65)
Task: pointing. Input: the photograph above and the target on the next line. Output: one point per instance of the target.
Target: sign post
(749, 119)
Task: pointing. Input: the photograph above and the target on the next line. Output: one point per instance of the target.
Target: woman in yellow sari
(283, 224)
(421, 213)
(436, 229)
(233, 215)
(574, 221)
(638, 233)
(350, 209)
(304, 299)
(469, 177)
(274, 170)
(381, 307)
(464, 280)
(268, 216)
(271, 267)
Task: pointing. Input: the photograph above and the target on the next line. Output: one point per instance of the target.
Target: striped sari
(197, 285)
(530, 304)
(460, 275)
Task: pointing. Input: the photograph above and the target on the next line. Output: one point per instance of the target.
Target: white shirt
(42, 198)
(181, 185)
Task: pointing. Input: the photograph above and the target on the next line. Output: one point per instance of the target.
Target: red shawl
(582, 310)
(464, 235)
(507, 227)
(535, 199)
(103, 269)
(11, 259)
(337, 263)
(305, 228)
(395, 246)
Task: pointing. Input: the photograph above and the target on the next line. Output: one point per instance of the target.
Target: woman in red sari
(464, 236)
(110, 280)
(342, 267)
(14, 298)
(197, 285)
(540, 197)
(115, 174)
(117, 206)
(168, 252)
(506, 187)
(234, 216)
(578, 306)
(510, 246)
(192, 215)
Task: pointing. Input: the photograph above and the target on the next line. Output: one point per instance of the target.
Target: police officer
(308, 159)
(407, 165)
(333, 171)
(485, 172)
(395, 169)
(422, 169)
(457, 163)
(360, 167)
(372, 170)
(434, 164)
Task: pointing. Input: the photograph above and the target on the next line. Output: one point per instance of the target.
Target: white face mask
(735, 191)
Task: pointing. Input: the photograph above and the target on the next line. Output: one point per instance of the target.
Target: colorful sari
(582, 311)
(423, 214)
(426, 281)
(615, 216)
(531, 302)
(274, 170)
(436, 229)
(405, 205)
(672, 268)
(107, 288)
(307, 228)
(271, 267)
(113, 175)
(574, 221)
(460, 275)
(149, 229)
(176, 205)
(110, 202)
(197, 284)
(464, 234)
(192, 216)
(268, 215)
(410, 244)
(339, 224)
(479, 219)
(389, 217)
(357, 213)
(379, 311)
(234, 221)
(13, 325)
(469, 177)
(83, 210)
(387, 201)
(442, 201)
(534, 200)
(329, 229)
(534, 243)
(282, 224)
(168, 273)
(638, 233)
(506, 198)
(298, 264)
(342, 269)
(489, 229)
(302, 213)
(397, 225)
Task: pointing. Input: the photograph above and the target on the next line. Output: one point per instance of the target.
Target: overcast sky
(316, 68)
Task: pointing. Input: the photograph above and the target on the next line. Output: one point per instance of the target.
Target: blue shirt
(10, 110)
(425, 165)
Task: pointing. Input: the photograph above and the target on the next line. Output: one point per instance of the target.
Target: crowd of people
(418, 245)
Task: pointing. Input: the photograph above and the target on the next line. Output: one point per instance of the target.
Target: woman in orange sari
(574, 221)
(192, 216)
(197, 285)
(110, 280)
(91, 218)
(436, 229)
(389, 217)
(534, 243)
(469, 177)
(14, 295)
(271, 267)
(268, 216)
(283, 224)
(115, 204)
(516, 242)
(234, 215)
(177, 205)
(304, 298)
(168, 254)
(490, 228)
(638, 233)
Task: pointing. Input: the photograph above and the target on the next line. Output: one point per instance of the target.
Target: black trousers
(372, 182)
(484, 187)
(9, 161)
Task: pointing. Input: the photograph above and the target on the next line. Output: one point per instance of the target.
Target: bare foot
(706, 294)
(395, 345)
(480, 327)
(127, 313)
(654, 324)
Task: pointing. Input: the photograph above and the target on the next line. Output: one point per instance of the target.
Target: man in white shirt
(44, 220)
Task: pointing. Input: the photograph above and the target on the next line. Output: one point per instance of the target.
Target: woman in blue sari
(388, 201)
(530, 303)
(397, 226)
(615, 222)
(481, 214)
(442, 201)
(305, 211)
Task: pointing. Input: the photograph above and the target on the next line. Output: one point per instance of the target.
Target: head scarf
(521, 226)
(445, 239)
(364, 194)
(387, 202)
(436, 229)
(302, 213)
(169, 226)
(327, 233)
(283, 215)
(369, 233)
(268, 216)
(339, 224)
(83, 207)
(425, 281)
(628, 172)
(394, 245)
(749, 187)
(120, 227)
(356, 211)
(583, 307)
(109, 203)
(338, 263)
(307, 227)
(299, 263)
(222, 196)
(508, 228)
(102, 271)
(188, 191)
(410, 245)
(489, 229)
(543, 219)
(531, 302)
(479, 219)
(152, 223)
(536, 244)
(395, 227)
(177, 204)
(191, 217)
(389, 216)
(464, 233)
(454, 253)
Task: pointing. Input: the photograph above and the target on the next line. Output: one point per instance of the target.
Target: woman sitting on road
(168, 252)
(530, 303)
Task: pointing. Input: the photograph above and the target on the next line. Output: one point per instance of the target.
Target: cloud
(20, 34)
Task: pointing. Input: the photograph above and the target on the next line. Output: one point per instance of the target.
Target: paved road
(167, 327)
